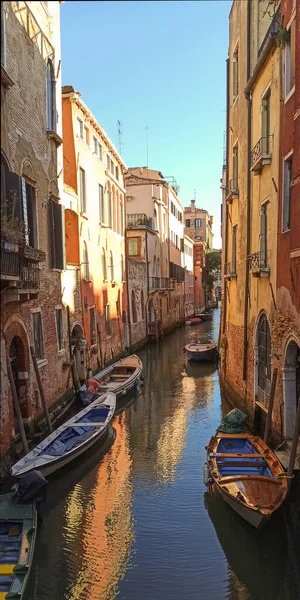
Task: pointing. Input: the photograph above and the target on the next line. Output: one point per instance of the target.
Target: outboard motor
(31, 487)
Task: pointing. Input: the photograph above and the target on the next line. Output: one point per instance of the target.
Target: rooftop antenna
(195, 195)
(120, 133)
(147, 141)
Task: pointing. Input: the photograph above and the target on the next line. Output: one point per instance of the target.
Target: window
(79, 128)
(86, 135)
(197, 222)
(107, 320)
(290, 54)
(59, 327)
(38, 335)
(233, 258)
(263, 359)
(235, 167)
(93, 334)
(235, 73)
(142, 305)
(122, 218)
(111, 266)
(29, 212)
(287, 176)
(108, 161)
(122, 268)
(132, 244)
(85, 262)
(101, 204)
(56, 235)
(133, 307)
(100, 150)
(51, 97)
(109, 202)
(82, 190)
(118, 308)
(112, 167)
(265, 122)
(188, 222)
(103, 259)
(117, 173)
(263, 236)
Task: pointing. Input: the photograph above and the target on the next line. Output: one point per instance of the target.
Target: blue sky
(161, 65)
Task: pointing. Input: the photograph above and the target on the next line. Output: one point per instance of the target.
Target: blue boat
(71, 439)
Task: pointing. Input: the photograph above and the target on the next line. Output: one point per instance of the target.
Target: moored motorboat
(193, 321)
(199, 351)
(71, 439)
(205, 316)
(18, 525)
(247, 474)
(120, 378)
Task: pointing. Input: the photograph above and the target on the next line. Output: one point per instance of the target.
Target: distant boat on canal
(205, 316)
(193, 321)
(199, 351)
(247, 474)
(120, 378)
(71, 439)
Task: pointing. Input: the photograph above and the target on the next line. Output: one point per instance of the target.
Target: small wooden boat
(18, 522)
(199, 352)
(247, 475)
(193, 321)
(71, 439)
(205, 316)
(121, 377)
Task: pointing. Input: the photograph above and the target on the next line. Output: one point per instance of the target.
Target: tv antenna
(147, 142)
(120, 133)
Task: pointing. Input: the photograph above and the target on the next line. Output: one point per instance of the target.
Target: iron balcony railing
(16, 266)
(231, 188)
(158, 283)
(139, 220)
(258, 260)
(262, 148)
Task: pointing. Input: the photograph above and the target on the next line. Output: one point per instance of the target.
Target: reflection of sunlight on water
(170, 445)
(99, 532)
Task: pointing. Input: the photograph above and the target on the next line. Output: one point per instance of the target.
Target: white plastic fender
(206, 475)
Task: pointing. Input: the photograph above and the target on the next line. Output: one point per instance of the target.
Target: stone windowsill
(55, 137)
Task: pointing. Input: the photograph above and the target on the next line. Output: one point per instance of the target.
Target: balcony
(231, 190)
(229, 271)
(20, 272)
(158, 283)
(261, 154)
(139, 221)
(258, 264)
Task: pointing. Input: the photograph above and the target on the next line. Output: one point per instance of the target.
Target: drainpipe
(248, 230)
(147, 275)
(226, 205)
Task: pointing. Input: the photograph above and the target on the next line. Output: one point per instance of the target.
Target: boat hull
(206, 355)
(132, 383)
(15, 514)
(255, 518)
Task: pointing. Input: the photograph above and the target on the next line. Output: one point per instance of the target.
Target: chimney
(193, 203)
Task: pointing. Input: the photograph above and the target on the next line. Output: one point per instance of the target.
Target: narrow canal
(133, 521)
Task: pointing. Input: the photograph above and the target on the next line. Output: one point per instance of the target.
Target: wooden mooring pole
(270, 407)
(291, 466)
(39, 382)
(17, 406)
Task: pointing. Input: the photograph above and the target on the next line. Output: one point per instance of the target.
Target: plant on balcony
(13, 230)
(283, 36)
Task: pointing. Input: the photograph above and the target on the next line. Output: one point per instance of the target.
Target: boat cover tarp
(31, 487)
(234, 422)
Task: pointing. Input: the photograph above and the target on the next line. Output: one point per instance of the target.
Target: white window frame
(80, 122)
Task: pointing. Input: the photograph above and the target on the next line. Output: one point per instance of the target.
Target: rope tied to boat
(281, 475)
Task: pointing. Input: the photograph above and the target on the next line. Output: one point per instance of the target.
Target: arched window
(142, 305)
(121, 217)
(122, 268)
(112, 270)
(51, 98)
(103, 259)
(133, 307)
(109, 209)
(263, 359)
(85, 262)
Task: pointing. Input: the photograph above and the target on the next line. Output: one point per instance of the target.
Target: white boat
(121, 377)
(199, 352)
(71, 439)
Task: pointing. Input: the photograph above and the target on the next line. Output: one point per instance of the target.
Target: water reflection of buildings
(100, 531)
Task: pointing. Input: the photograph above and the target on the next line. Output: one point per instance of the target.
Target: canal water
(133, 520)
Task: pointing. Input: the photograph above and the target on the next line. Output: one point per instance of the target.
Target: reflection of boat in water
(247, 474)
(202, 369)
(264, 562)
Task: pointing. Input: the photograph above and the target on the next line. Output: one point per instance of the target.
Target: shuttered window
(82, 190)
(38, 335)
(56, 235)
(263, 236)
(286, 207)
(235, 167)
(290, 56)
(233, 266)
(265, 122)
(235, 72)
(101, 204)
(51, 97)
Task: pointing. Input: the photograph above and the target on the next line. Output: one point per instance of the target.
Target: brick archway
(17, 348)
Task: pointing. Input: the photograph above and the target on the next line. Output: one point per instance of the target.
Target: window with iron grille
(59, 327)
(107, 320)
(263, 360)
(93, 334)
(38, 335)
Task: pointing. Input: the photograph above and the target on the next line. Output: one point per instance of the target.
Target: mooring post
(39, 382)
(270, 407)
